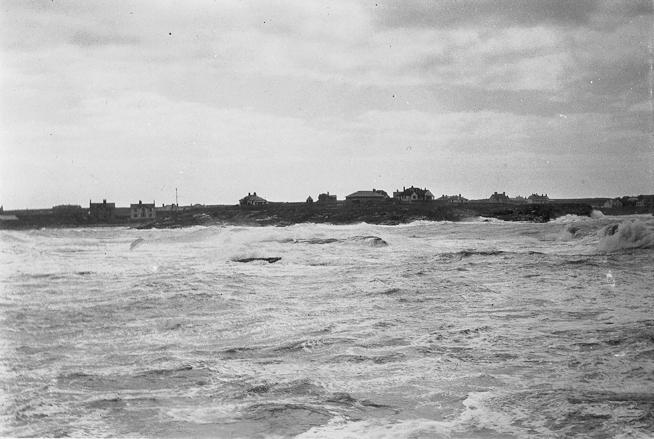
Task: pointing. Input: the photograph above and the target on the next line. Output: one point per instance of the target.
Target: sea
(471, 329)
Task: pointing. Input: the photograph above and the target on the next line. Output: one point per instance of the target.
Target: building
(499, 198)
(613, 203)
(645, 201)
(327, 199)
(142, 211)
(408, 195)
(452, 199)
(252, 200)
(102, 211)
(373, 196)
(538, 199)
(309, 200)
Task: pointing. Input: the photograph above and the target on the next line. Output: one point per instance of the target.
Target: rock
(269, 260)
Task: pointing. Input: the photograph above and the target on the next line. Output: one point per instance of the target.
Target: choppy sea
(475, 329)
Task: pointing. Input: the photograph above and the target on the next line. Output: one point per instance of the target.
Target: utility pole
(176, 202)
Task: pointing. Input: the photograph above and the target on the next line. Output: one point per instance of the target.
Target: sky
(129, 100)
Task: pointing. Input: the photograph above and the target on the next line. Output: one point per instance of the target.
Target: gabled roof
(253, 198)
(422, 193)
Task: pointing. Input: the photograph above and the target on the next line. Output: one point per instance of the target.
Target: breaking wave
(626, 235)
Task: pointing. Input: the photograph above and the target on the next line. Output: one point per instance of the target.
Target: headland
(285, 214)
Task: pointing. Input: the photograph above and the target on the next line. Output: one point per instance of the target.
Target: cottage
(142, 211)
(452, 199)
(538, 199)
(499, 198)
(373, 196)
(327, 199)
(408, 195)
(252, 200)
(102, 211)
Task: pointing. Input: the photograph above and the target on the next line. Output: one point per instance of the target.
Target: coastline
(285, 214)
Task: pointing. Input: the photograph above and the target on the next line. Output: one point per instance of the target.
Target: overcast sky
(129, 100)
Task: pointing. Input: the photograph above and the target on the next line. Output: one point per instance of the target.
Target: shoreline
(285, 214)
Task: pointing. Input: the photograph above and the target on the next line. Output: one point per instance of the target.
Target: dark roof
(368, 194)
(410, 190)
(252, 198)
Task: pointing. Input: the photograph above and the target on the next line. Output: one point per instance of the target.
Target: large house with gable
(412, 194)
(252, 200)
(499, 198)
(538, 199)
(142, 211)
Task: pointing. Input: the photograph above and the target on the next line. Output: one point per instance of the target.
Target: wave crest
(626, 235)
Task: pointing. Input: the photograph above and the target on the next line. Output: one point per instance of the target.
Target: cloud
(499, 13)
(269, 93)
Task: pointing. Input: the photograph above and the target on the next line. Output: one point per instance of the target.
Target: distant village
(108, 212)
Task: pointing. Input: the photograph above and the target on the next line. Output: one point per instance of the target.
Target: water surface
(459, 330)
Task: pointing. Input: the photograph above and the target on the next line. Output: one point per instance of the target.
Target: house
(412, 194)
(499, 198)
(373, 196)
(252, 200)
(309, 200)
(327, 199)
(142, 211)
(452, 199)
(610, 204)
(629, 201)
(538, 199)
(102, 211)
(645, 201)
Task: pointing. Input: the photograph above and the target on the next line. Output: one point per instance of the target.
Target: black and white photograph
(327, 219)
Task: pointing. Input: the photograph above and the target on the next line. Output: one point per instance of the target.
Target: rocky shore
(284, 214)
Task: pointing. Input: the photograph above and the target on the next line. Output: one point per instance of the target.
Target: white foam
(380, 429)
(629, 234)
